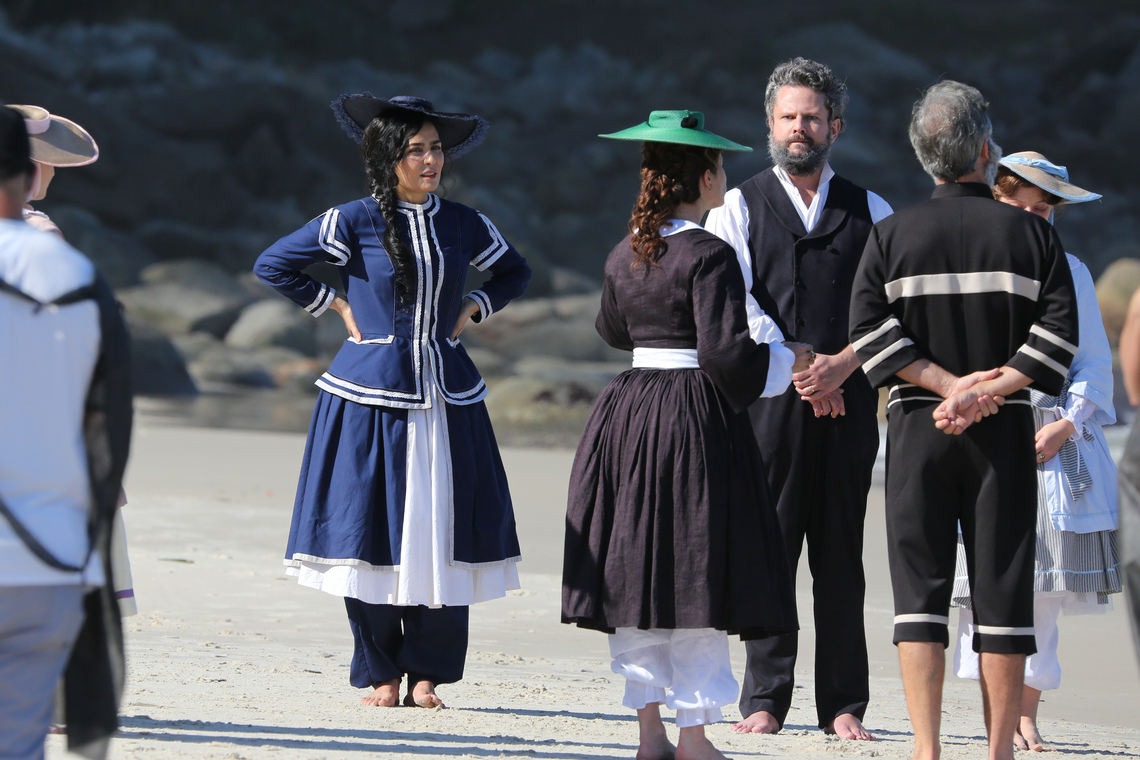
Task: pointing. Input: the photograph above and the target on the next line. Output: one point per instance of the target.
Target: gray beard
(992, 163)
(801, 164)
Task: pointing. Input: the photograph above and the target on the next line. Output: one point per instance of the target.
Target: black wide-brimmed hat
(459, 132)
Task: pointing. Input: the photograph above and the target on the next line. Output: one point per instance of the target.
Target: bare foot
(759, 722)
(1028, 737)
(423, 695)
(387, 694)
(847, 726)
(656, 747)
(694, 745)
(653, 744)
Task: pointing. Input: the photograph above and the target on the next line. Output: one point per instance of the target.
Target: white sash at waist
(665, 358)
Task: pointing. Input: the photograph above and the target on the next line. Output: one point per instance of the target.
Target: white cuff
(322, 302)
(484, 303)
(780, 361)
(1077, 412)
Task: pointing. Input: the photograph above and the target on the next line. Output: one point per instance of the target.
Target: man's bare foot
(1028, 737)
(694, 745)
(759, 722)
(423, 695)
(847, 726)
(387, 694)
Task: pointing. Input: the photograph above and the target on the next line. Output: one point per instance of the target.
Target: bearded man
(799, 230)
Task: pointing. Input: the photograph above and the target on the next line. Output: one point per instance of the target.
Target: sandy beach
(230, 659)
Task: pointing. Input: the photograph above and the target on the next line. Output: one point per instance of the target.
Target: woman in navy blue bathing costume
(402, 506)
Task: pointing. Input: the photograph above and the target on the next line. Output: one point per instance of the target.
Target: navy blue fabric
(350, 497)
(445, 238)
(429, 644)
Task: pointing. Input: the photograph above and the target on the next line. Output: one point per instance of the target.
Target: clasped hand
(967, 402)
(820, 383)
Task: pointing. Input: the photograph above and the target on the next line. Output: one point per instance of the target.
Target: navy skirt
(669, 521)
(350, 498)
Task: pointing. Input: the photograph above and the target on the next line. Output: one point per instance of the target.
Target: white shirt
(47, 356)
(730, 223)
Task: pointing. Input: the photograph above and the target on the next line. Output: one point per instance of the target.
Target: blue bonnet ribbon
(1045, 166)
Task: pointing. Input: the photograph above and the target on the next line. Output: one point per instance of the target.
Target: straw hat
(680, 127)
(458, 132)
(57, 141)
(1037, 170)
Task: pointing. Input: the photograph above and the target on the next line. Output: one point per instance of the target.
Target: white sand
(229, 659)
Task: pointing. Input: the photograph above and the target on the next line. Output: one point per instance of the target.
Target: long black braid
(385, 140)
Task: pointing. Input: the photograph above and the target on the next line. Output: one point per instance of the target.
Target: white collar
(431, 201)
(673, 226)
(824, 177)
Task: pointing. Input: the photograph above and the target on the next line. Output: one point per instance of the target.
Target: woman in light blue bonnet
(1076, 559)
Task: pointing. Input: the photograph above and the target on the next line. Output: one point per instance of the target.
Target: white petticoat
(425, 575)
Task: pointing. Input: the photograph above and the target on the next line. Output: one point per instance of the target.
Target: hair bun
(689, 122)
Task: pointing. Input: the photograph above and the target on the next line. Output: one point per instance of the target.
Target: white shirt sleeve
(730, 223)
(1077, 412)
(878, 207)
(780, 361)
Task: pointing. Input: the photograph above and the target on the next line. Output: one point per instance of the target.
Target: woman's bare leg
(653, 744)
(1028, 737)
(694, 745)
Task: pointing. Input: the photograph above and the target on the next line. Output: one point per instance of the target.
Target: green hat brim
(700, 138)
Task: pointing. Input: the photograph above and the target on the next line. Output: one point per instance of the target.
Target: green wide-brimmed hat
(680, 127)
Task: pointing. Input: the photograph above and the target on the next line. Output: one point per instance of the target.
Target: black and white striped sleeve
(877, 336)
(1048, 351)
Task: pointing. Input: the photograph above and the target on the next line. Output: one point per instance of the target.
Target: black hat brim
(458, 132)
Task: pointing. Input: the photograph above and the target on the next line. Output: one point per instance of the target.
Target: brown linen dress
(669, 521)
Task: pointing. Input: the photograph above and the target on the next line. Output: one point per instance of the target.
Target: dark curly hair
(670, 175)
(385, 140)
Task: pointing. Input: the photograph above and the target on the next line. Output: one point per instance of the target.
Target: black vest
(803, 280)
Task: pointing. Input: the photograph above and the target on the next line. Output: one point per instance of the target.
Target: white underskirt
(425, 574)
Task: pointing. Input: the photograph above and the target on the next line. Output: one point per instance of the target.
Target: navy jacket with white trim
(386, 368)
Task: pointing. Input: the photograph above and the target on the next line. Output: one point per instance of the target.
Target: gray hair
(804, 72)
(948, 128)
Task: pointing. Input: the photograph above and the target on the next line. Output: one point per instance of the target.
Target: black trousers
(985, 479)
(819, 471)
(429, 644)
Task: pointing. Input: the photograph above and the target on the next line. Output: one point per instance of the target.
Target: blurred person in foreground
(671, 537)
(960, 302)
(799, 230)
(1129, 532)
(1076, 557)
(402, 505)
(64, 437)
(60, 143)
